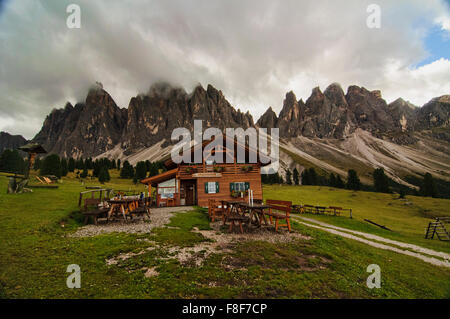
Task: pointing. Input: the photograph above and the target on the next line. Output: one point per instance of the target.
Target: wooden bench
(308, 209)
(279, 210)
(143, 208)
(235, 218)
(95, 214)
(91, 209)
(337, 211)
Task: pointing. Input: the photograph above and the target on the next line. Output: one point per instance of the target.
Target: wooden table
(124, 205)
(232, 208)
(255, 212)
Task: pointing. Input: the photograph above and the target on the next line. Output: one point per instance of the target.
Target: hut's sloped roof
(33, 148)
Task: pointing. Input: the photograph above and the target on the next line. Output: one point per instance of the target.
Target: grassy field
(407, 218)
(35, 252)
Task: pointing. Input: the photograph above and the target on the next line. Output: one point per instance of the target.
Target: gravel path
(158, 218)
(347, 233)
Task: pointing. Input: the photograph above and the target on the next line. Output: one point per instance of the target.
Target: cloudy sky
(253, 50)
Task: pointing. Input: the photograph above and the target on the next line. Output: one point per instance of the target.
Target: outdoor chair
(215, 210)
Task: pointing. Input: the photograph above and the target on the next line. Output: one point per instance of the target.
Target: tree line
(11, 161)
(381, 182)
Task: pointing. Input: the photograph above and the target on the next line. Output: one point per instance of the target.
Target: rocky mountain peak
(12, 142)
(268, 120)
(435, 113)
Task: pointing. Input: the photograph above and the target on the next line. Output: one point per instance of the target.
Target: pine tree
(339, 182)
(353, 181)
(332, 180)
(79, 164)
(51, 166)
(288, 177)
(153, 171)
(71, 165)
(305, 177)
(96, 168)
(12, 162)
(37, 164)
(313, 176)
(64, 167)
(127, 170)
(103, 175)
(428, 187)
(296, 176)
(141, 170)
(84, 173)
(380, 181)
(118, 164)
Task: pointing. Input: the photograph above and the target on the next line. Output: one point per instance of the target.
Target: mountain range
(332, 130)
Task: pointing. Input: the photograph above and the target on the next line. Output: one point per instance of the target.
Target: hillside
(36, 245)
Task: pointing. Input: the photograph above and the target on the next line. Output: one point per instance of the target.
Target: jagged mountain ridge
(98, 125)
(333, 114)
(332, 130)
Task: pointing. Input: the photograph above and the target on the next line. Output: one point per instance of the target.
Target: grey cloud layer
(254, 51)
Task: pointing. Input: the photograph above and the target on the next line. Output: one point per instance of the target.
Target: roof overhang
(262, 157)
(33, 148)
(160, 178)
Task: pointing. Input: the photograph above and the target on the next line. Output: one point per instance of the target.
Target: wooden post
(31, 158)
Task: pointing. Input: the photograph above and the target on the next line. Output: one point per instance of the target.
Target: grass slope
(35, 252)
(407, 218)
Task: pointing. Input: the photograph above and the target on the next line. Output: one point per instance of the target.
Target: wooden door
(190, 193)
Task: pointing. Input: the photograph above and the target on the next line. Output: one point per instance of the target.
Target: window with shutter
(239, 186)
(211, 188)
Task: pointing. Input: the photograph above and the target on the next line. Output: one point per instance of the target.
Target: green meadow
(35, 251)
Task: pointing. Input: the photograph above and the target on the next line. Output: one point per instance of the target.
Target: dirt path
(347, 233)
(158, 218)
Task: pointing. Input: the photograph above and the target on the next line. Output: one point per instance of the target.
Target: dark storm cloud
(254, 51)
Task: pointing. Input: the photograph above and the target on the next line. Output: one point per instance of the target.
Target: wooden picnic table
(123, 205)
(255, 212)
